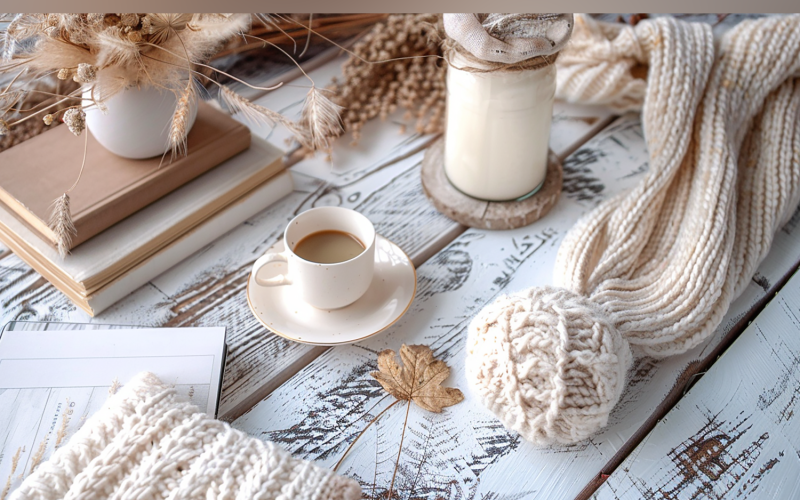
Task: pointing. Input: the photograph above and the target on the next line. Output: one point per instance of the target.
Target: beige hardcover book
(139, 248)
(41, 169)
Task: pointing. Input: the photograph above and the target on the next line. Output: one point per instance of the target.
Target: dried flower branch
(415, 79)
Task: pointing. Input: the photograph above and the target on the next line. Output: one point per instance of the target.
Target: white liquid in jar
(498, 130)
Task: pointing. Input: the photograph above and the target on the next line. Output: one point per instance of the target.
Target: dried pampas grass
(115, 49)
(52, 55)
(109, 83)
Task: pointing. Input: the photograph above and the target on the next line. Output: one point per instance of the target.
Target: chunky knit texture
(663, 262)
(145, 444)
(536, 370)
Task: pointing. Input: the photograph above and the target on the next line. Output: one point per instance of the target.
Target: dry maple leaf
(419, 378)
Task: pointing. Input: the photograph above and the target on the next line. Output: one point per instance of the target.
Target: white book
(52, 381)
(132, 252)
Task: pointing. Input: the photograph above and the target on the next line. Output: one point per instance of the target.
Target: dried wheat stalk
(37, 457)
(14, 464)
(320, 117)
(179, 128)
(61, 224)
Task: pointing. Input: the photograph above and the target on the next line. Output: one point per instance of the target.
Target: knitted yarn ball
(548, 363)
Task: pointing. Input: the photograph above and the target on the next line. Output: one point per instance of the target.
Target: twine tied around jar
(486, 43)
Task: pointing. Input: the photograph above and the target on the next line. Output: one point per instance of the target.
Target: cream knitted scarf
(144, 444)
(656, 268)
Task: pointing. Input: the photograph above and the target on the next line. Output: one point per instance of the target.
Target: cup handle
(265, 259)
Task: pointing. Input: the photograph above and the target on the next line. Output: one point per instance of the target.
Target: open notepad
(51, 381)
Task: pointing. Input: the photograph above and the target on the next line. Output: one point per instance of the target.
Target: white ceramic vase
(137, 122)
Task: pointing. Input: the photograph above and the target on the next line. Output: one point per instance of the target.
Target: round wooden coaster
(487, 214)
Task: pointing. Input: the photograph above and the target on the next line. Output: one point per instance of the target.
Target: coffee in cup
(329, 247)
(330, 252)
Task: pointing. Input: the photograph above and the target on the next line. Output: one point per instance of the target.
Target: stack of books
(134, 218)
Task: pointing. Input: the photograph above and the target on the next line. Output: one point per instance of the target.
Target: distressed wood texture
(379, 177)
(736, 433)
(465, 452)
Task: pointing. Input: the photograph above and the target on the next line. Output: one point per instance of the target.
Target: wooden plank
(736, 434)
(465, 452)
(382, 181)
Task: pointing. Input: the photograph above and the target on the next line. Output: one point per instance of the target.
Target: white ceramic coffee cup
(324, 286)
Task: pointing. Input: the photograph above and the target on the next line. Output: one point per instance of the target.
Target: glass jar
(498, 130)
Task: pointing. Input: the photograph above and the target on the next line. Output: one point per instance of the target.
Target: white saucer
(389, 296)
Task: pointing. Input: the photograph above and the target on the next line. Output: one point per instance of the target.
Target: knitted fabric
(145, 444)
(523, 351)
(661, 263)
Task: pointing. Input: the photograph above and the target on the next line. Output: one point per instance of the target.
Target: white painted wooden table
(315, 401)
